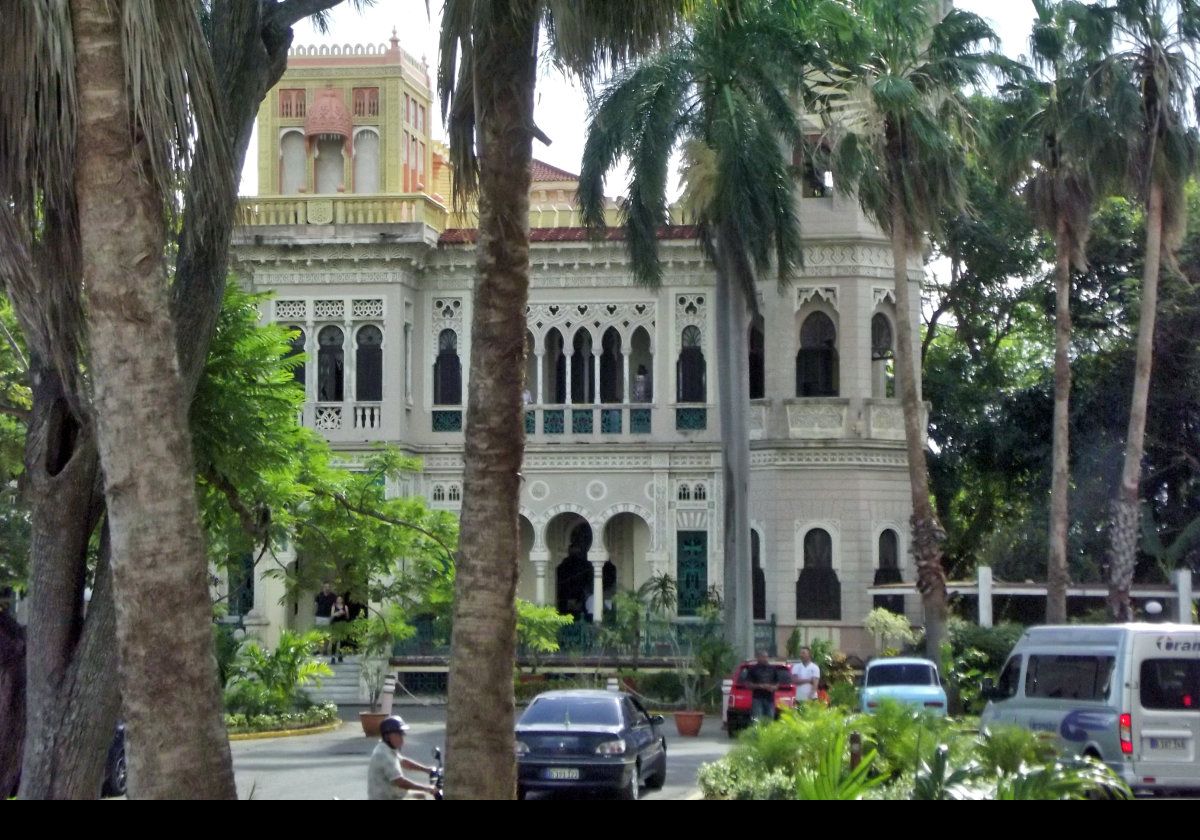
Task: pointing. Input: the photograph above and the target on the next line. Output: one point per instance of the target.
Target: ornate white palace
(352, 234)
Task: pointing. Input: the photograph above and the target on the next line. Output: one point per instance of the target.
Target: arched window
(583, 369)
(439, 493)
(758, 584)
(889, 569)
(368, 365)
(689, 370)
(331, 165)
(818, 591)
(883, 356)
(612, 367)
(685, 493)
(817, 361)
(366, 162)
(757, 360)
(700, 494)
(554, 369)
(295, 348)
(447, 371)
(455, 493)
(641, 365)
(293, 160)
(331, 380)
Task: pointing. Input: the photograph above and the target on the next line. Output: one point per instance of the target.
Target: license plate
(562, 774)
(1168, 744)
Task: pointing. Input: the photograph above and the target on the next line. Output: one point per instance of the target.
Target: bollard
(612, 684)
(855, 750)
(726, 691)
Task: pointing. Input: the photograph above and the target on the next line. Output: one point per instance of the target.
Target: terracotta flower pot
(688, 723)
(370, 722)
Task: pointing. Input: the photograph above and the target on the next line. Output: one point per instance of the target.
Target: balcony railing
(261, 211)
(344, 420)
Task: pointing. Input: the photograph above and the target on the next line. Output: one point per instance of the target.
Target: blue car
(913, 682)
(589, 740)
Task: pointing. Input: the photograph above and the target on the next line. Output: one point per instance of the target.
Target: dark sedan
(589, 740)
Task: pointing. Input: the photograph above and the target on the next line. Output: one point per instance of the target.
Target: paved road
(333, 765)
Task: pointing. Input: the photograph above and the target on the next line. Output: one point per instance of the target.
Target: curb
(285, 733)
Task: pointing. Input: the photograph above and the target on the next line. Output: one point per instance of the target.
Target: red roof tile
(545, 172)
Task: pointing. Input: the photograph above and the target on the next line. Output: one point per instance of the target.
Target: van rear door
(1166, 717)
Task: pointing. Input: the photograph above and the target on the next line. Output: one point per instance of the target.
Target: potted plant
(376, 636)
(690, 718)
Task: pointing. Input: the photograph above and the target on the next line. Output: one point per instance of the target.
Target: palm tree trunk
(733, 377)
(927, 533)
(1124, 527)
(479, 717)
(1057, 574)
(177, 742)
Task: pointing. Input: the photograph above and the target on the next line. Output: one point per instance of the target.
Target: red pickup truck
(737, 710)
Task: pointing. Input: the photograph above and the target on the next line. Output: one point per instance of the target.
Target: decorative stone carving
(884, 294)
(329, 418)
(816, 420)
(691, 310)
(826, 293)
(367, 308)
(447, 315)
(597, 490)
(539, 490)
(541, 317)
(320, 211)
(329, 310)
(291, 310)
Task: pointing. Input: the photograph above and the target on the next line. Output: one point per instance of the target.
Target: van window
(1068, 677)
(1171, 684)
(1010, 678)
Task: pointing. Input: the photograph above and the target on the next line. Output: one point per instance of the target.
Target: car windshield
(910, 674)
(596, 711)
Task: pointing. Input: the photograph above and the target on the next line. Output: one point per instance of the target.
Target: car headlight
(611, 748)
(521, 748)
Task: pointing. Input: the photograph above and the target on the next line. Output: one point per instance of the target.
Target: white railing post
(984, 579)
(1183, 595)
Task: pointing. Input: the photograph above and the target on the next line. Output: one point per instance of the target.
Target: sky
(560, 107)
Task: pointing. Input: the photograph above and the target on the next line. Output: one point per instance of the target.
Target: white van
(1128, 694)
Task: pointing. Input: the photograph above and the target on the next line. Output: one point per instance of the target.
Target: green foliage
(995, 643)
(271, 682)
(239, 722)
(887, 626)
(843, 695)
(538, 626)
(907, 755)
(15, 401)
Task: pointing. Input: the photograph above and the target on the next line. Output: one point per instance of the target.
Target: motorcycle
(436, 777)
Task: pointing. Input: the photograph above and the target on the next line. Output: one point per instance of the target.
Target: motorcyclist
(385, 774)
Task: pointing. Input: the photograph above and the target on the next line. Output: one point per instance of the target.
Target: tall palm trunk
(1057, 574)
(1124, 526)
(479, 719)
(927, 533)
(733, 377)
(177, 742)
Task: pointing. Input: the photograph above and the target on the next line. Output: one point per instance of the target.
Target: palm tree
(1155, 77)
(721, 90)
(118, 97)
(486, 80)
(1057, 139)
(898, 128)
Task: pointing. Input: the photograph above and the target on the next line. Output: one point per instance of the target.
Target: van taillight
(1127, 734)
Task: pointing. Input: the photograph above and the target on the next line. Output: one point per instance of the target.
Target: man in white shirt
(385, 774)
(806, 675)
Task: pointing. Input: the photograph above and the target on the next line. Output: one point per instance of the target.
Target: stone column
(598, 562)
(596, 378)
(626, 383)
(540, 560)
(1183, 595)
(567, 395)
(983, 577)
(541, 376)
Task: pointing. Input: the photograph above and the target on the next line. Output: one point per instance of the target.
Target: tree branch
(289, 12)
(400, 523)
(21, 414)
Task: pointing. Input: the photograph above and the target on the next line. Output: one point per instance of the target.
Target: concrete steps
(343, 688)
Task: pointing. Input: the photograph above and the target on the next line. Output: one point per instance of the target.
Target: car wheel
(633, 789)
(659, 778)
(116, 775)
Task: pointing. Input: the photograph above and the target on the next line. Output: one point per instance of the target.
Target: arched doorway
(627, 538)
(526, 574)
(569, 539)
